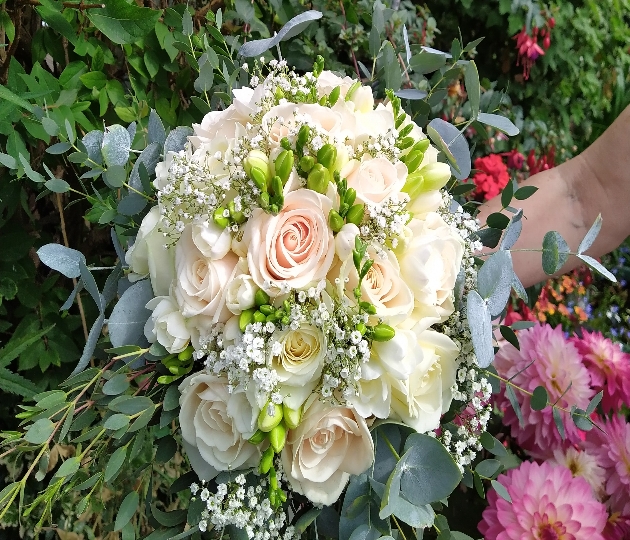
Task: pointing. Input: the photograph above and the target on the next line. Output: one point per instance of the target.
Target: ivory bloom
(426, 395)
(329, 445)
(200, 282)
(148, 256)
(299, 362)
(295, 247)
(166, 325)
(216, 425)
(374, 179)
(211, 240)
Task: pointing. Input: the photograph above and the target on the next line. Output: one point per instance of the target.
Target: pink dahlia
(548, 503)
(612, 449)
(582, 464)
(609, 367)
(545, 359)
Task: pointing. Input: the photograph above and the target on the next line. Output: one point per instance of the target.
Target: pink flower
(609, 368)
(612, 449)
(546, 359)
(584, 465)
(548, 503)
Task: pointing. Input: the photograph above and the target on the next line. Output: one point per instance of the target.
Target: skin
(569, 199)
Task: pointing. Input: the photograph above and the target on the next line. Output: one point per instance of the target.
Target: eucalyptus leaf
(457, 146)
(499, 122)
(555, 252)
(473, 89)
(595, 264)
(126, 323)
(480, 323)
(63, 259)
(156, 131)
(93, 142)
(177, 139)
(90, 344)
(116, 145)
(411, 94)
(494, 281)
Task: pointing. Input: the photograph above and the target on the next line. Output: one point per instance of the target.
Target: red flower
(492, 176)
(515, 159)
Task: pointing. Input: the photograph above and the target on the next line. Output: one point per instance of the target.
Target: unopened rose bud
(266, 421)
(277, 437)
(318, 178)
(292, 417)
(383, 332)
(355, 214)
(284, 165)
(327, 155)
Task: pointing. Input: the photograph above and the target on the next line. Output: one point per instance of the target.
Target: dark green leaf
(509, 391)
(40, 431)
(116, 385)
(115, 463)
(122, 22)
(557, 418)
(116, 422)
(509, 335)
(581, 420)
(492, 445)
(171, 398)
(539, 398)
(115, 176)
(168, 519)
(127, 509)
(471, 79)
(68, 467)
(490, 237)
(488, 468)
(594, 403)
(501, 490)
(166, 449)
(498, 220)
(506, 194)
(131, 404)
(525, 192)
(306, 519)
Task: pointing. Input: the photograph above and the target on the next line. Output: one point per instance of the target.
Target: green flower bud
(361, 328)
(343, 209)
(318, 178)
(356, 258)
(303, 135)
(370, 309)
(285, 143)
(259, 178)
(273, 479)
(422, 145)
(335, 221)
(258, 437)
(266, 421)
(266, 461)
(323, 100)
(238, 217)
(273, 498)
(276, 185)
(282, 495)
(277, 437)
(327, 155)
(284, 164)
(413, 160)
(219, 218)
(278, 93)
(355, 214)
(436, 175)
(405, 131)
(414, 185)
(292, 417)
(263, 200)
(306, 163)
(352, 90)
(274, 209)
(400, 120)
(245, 318)
(266, 310)
(258, 159)
(334, 95)
(405, 143)
(350, 196)
(186, 354)
(259, 317)
(383, 332)
(261, 297)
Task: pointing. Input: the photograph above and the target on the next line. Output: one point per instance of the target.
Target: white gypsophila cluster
(250, 357)
(385, 222)
(245, 507)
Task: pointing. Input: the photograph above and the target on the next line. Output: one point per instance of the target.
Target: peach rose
(295, 248)
(201, 283)
(374, 179)
(329, 445)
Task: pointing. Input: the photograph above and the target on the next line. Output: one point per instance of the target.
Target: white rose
(277, 121)
(399, 356)
(328, 81)
(216, 425)
(374, 391)
(241, 291)
(299, 362)
(166, 325)
(329, 445)
(213, 241)
(200, 283)
(373, 123)
(296, 247)
(382, 286)
(148, 256)
(426, 395)
(374, 179)
(431, 263)
(216, 123)
(161, 171)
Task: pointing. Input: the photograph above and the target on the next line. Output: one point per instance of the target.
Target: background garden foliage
(67, 69)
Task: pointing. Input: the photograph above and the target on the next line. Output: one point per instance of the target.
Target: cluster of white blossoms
(304, 253)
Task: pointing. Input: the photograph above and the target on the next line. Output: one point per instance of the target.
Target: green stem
(391, 448)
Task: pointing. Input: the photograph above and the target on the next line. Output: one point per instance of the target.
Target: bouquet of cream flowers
(305, 259)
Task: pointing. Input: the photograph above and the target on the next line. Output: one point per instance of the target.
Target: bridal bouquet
(304, 258)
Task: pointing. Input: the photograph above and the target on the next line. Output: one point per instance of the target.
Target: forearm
(571, 196)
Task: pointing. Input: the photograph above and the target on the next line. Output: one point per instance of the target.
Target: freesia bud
(219, 218)
(306, 163)
(383, 332)
(355, 214)
(266, 421)
(258, 437)
(266, 461)
(284, 164)
(327, 155)
(258, 159)
(259, 178)
(277, 437)
(245, 318)
(303, 135)
(435, 175)
(261, 297)
(335, 221)
(318, 178)
(334, 95)
(292, 417)
(414, 185)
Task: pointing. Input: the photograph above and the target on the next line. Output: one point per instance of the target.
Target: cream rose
(374, 391)
(382, 286)
(329, 445)
(223, 123)
(277, 121)
(211, 240)
(328, 81)
(363, 99)
(374, 179)
(431, 263)
(426, 395)
(200, 283)
(296, 247)
(166, 325)
(241, 292)
(298, 359)
(216, 425)
(148, 256)
(345, 241)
